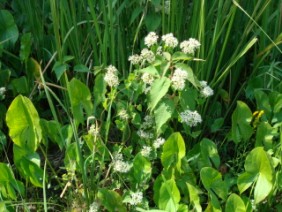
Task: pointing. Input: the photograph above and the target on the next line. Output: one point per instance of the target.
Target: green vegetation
(140, 105)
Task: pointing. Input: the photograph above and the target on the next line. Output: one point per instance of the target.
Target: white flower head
(122, 166)
(93, 130)
(203, 83)
(190, 46)
(136, 198)
(111, 77)
(147, 55)
(123, 114)
(144, 134)
(170, 40)
(2, 90)
(146, 151)
(191, 118)
(147, 78)
(158, 143)
(135, 59)
(178, 79)
(151, 39)
(207, 91)
(94, 207)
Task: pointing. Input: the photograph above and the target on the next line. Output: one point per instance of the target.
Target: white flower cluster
(191, 118)
(190, 46)
(147, 78)
(123, 114)
(111, 77)
(146, 151)
(120, 165)
(178, 79)
(147, 55)
(206, 90)
(144, 131)
(151, 39)
(170, 40)
(94, 207)
(135, 59)
(93, 130)
(158, 143)
(2, 92)
(136, 198)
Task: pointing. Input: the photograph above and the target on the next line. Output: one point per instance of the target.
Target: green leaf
(23, 122)
(181, 56)
(258, 170)
(169, 196)
(213, 182)
(194, 197)
(152, 21)
(111, 200)
(191, 77)
(9, 32)
(235, 204)
(173, 151)
(8, 184)
(241, 118)
(209, 154)
(150, 70)
(4, 77)
(159, 89)
(59, 69)
(163, 113)
(99, 91)
(20, 85)
(28, 163)
(81, 68)
(217, 124)
(141, 169)
(51, 130)
(25, 46)
(80, 98)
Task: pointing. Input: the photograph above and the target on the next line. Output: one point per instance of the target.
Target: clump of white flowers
(178, 79)
(94, 207)
(144, 131)
(123, 114)
(119, 165)
(191, 118)
(147, 55)
(2, 92)
(135, 59)
(206, 91)
(136, 198)
(93, 130)
(170, 40)
(111, 77)
(147, 78)
(158, 142)
(151, 39)
(190, 46)
(146, 151)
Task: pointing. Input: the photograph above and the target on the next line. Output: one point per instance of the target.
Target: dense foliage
(140, 105)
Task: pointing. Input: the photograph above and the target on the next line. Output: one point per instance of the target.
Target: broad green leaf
(59, 69)
(173, 151)
(136, 12)
(99, 91)
(141, 169)
(33, 69)
(181, 56)
(241, 118)
(8, 184)
(235, 204)
(191, 77)
(209, 155)
(188, 98)
(158, 90)
(111, 200)
(258, 170)
(51, 130)
(25, 46)
(152, 21)
(20, 85)
(81, 68)
(265, 134)
(169, 196)
(4, 77)
(262, 102)
(23, 122)
(80, 98)
(28, 163)
(217, 124)
(194, 197)
(163, 113)
(9, 32)
(150, 70)
(212, 181)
